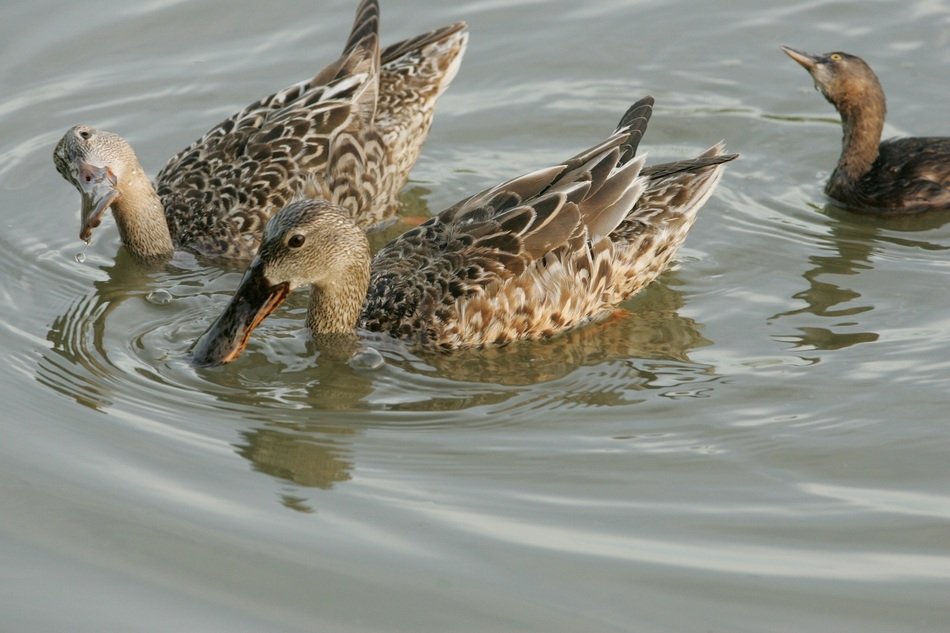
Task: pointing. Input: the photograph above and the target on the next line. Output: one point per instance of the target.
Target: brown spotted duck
(349, 136)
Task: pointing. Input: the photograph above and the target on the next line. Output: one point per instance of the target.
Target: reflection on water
(823, 298)
(853, 240)
(77, 364)
(305, 455)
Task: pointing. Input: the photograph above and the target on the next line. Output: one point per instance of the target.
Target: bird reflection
(853, 240)
(305, 456)
(77, 363)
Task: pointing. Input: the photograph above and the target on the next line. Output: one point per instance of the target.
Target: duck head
(98, 164)
(309, 242)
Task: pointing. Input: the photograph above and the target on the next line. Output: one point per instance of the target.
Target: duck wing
(648, 237)
(220, 191)
(526, 258)
(414, 74)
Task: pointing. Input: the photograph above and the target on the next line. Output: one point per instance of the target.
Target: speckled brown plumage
(898, 176)
(541, 253)
(526, 259)
(349, 136)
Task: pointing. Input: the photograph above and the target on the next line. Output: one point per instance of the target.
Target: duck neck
(862, 122)
(140, 216)
(335, 306)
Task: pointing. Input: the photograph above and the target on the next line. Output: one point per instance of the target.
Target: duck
(898, 176)
(530, 258)
(349, 135)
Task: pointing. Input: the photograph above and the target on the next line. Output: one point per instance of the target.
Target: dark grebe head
(846, 80)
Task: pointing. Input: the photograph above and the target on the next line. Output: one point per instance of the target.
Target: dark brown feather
(898, 176)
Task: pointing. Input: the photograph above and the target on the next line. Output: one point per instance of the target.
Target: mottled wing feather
(506, 236)
(614, 198)
(674, 190)
(333, 137)
(544, 252)
(414, 75)
(246, 176)
(648, 238)
(257, 161)
(635, 121)
(365, 24)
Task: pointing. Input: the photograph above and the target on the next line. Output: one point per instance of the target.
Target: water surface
(757, 443)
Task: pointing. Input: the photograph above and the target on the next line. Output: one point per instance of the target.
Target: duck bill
(98, 188)
(808, 62)
(253, 301)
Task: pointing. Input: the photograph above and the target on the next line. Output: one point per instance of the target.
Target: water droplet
(80, 257)
(159, 297)
(366, 358)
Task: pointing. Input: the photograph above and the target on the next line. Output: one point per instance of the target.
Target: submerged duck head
(99, 164)
(309, 242)
(845, 80)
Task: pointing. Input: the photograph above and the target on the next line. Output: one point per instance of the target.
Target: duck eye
(85, 134)
(835, 57)
(296, 241)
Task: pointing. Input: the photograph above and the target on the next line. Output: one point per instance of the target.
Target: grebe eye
(296, 241)
(835, 57)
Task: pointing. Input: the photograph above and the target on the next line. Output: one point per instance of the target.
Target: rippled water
(757, 443)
